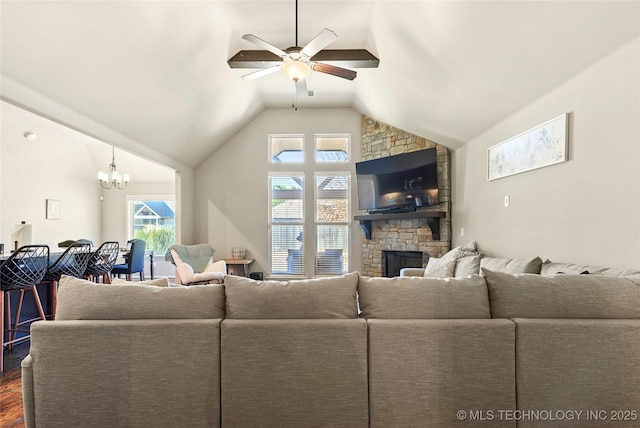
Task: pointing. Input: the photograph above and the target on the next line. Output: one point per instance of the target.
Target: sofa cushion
(469, 265)
(294, 373)
(552, 268)
(424, 298)
(320, 298)
(440, 268)
(562, 296)
(422, 372)
(160, 373)
(158, 282)
(79, 299)
(496, 264)
(578, 364)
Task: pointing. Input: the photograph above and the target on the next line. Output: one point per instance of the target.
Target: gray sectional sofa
(497, 349)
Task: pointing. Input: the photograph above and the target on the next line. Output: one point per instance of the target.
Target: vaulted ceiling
(156, 71)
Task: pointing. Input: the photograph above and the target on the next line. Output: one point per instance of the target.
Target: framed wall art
(543, 145)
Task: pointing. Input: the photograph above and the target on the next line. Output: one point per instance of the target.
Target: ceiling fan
(298, 62)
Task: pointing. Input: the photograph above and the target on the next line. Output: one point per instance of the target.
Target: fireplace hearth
(393, 261)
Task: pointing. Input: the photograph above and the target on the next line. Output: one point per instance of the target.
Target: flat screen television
(398, 183)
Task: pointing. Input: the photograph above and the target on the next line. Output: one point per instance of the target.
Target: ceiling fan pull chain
(294, 103)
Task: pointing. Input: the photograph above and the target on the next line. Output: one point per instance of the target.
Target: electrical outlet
(507, 201)
(462, 231)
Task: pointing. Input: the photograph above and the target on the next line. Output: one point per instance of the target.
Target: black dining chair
(22, 271)
(134, 260)
(72, 262)
(101, 262)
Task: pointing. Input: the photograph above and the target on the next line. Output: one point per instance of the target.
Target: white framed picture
(543, 145)
(53, 209)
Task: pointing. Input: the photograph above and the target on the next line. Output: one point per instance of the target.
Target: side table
(238, 267)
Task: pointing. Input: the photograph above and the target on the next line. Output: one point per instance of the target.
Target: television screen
(400, 182)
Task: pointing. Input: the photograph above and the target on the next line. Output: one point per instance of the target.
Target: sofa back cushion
(158, 282)
(424, 298)
(318, 298)
(552, 268)
(79, 299)
(562, 296)
(497, 264)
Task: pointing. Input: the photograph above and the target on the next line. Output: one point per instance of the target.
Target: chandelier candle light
(113, 179)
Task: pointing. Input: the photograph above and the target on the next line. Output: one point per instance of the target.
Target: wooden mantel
(433, 220)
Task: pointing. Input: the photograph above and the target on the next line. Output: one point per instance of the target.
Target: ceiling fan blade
(350, 58)
(333, 70)
(263, 44)
(254, 59)
(301, 88)
(319, 42)
(256, 74)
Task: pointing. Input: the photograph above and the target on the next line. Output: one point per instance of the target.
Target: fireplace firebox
(393, 261)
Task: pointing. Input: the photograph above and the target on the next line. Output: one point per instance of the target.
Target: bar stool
(73, 262)
(101, 262)
(22, 271)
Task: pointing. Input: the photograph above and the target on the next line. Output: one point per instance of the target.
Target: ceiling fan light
(296, 70)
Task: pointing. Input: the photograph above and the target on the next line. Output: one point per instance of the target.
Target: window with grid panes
(325, 219)
(332, 222)
(287, 221)
(153, 220)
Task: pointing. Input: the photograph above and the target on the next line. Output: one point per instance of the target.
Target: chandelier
(113, 179)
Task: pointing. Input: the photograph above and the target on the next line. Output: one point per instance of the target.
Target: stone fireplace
(404, 234)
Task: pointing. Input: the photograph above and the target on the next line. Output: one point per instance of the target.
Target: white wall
(54, 166)
(60, 164)
(232, 187)
(185, 206)
(46, 107)
(586, 210)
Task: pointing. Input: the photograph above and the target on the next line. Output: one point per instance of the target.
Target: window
(309, 218)
(332, 148)
(286, 149)
(287, 221)
(152, 220)
(332, 223)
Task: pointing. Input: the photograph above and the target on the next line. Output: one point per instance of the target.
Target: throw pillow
(468, 249)
(158, 282)
(469, 265)
(439, 268)
(327, 297)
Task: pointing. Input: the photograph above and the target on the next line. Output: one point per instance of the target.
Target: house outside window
(152, 220)
(309, 212)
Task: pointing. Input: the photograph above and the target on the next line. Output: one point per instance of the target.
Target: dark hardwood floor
(11, 388)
